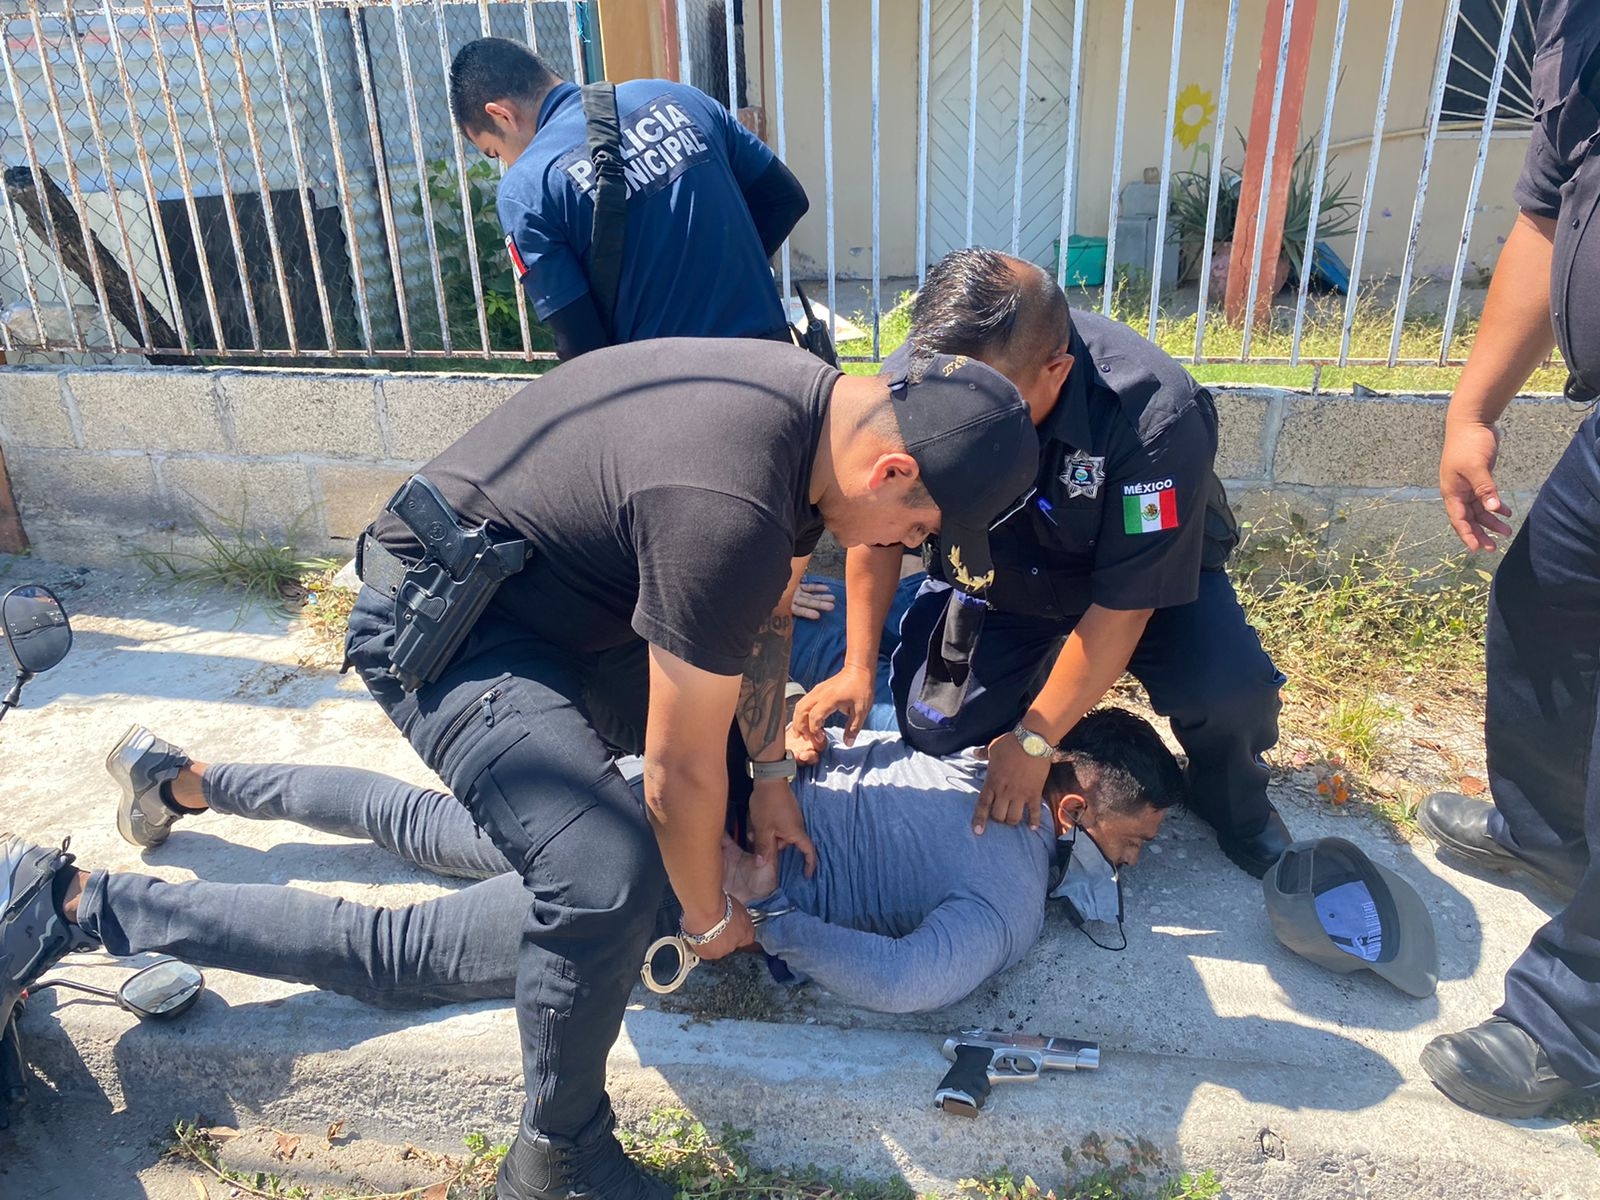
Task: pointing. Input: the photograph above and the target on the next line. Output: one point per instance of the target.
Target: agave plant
(1191, 194)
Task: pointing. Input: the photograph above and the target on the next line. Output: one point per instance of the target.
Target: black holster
(439, 599)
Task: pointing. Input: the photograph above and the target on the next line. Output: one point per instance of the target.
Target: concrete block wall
(104, 459)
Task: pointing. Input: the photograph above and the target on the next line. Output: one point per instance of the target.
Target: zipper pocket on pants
(481, 708)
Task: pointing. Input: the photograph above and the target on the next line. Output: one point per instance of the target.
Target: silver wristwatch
(1034, 745)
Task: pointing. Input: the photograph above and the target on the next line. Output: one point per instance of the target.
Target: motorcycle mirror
(35, 628)
(161, 991)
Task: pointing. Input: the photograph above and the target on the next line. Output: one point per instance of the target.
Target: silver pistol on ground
(985, 1057)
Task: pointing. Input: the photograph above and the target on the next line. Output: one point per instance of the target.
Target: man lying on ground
(908, 910)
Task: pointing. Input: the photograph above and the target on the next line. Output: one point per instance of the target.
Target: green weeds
(270, 572)
(326, 614)
(1355, 727)
(1322, 336)
(700, 1166)
(1352, 629)
(1141, 1174)
(1348, 623)
(459, 1178)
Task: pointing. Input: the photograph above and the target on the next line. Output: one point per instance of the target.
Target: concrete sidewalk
(1219, 1047)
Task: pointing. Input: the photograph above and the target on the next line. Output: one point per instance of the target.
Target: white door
(1045, 143)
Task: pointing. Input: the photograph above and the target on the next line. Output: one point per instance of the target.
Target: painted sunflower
(1195, 110)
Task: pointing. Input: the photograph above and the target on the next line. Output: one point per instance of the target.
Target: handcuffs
(676, 951)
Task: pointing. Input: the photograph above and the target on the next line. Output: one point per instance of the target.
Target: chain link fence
(275, 179)
(256, 177)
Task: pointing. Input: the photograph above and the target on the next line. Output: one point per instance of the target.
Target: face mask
(1090, 886)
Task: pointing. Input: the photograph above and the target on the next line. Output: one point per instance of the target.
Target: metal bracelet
(712, 934)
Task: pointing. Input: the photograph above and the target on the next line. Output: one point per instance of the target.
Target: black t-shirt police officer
(646, 529)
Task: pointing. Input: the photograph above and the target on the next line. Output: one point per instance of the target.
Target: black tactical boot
(1496, 1069)
(1258, 853)
(1460, 825)
(591, 1166)
(141, 762)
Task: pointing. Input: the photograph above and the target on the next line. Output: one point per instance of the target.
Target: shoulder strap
(610, 197)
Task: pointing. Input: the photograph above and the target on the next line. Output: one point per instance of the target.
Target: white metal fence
(280, 179)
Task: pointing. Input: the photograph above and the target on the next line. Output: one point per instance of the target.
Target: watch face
(1033, 743)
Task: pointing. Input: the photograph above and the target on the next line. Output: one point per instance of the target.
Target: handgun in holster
(983, 1058)
(443, 595)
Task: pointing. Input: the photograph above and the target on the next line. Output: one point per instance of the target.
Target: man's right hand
(1466, 481)
(849, 692)
(741, 932)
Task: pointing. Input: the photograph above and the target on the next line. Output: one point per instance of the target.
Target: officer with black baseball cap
(614, 551)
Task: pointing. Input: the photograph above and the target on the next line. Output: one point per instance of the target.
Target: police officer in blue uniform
(1115, 563)
(707, 203)
(1540, 725)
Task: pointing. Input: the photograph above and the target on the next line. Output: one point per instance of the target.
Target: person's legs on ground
(424, 826)
(162, 783)
(456, 948)
(506, 728)
(1008, 664)
(1204, 669)
(1543, 741)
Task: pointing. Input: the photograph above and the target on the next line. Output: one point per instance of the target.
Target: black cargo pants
(523, 734)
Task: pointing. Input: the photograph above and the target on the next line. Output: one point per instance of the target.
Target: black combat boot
(591, 1166)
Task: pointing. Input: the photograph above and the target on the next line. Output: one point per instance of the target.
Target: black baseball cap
(975, 445)
(1330, 903)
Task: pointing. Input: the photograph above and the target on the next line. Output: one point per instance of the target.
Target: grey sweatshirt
(909, 910)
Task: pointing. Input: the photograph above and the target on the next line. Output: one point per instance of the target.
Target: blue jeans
(819, 647)
(459, 947)
(1542, 731)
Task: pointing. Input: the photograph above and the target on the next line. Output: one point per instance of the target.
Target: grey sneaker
(141, 763)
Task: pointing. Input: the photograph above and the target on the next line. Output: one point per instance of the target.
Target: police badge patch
(1084, 474)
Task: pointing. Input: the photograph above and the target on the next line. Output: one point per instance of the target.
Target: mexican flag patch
(1149, 507)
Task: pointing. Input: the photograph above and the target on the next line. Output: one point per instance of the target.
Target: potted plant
(1191, 194)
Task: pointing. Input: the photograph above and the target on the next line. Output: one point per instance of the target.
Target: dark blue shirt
(693, 264)
(1128, 507)
(1561, 179)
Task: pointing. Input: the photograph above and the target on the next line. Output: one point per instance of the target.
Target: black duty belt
(378, 569)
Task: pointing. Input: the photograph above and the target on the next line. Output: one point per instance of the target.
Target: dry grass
(325, 615)
(1385, 665)
(1371, 336)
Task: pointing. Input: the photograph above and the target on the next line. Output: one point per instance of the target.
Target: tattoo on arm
(761, 694)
